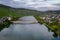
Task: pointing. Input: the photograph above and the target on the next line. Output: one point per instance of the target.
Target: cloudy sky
(41, 5)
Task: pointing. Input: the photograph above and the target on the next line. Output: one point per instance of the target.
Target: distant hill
(9, 11)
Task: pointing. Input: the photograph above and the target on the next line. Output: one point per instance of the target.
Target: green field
(15, 12)
(8, 11)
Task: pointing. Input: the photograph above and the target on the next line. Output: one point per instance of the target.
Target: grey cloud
(32, 4)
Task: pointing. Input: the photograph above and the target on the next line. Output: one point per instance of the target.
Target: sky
(41, 5)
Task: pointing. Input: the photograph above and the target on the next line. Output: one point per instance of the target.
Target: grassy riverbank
(53, 26)
(5, 24)
(19, 12)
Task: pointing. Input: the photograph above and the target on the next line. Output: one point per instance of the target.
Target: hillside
(9, 11)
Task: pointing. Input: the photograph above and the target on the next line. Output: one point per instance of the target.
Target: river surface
(27, 31)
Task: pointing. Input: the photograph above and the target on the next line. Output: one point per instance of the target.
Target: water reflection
(57, 38)
(54, 33)
(27, 31)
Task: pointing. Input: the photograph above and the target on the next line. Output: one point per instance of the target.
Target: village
(52, 22)
(51, 18)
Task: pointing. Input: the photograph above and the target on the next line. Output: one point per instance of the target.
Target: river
(27, 31)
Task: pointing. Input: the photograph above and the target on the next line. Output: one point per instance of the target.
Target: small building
(9, 18)
(48, 19)
(59, 20)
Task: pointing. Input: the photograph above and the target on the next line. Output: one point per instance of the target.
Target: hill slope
(9, 11)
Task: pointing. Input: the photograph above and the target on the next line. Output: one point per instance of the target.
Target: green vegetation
(5, 24)
(7, 12)
(54, 26)
(40, 20)
(18, 12)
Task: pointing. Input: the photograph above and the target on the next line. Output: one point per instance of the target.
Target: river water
(27, 31)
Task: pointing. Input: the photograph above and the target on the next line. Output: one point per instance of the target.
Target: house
(47, 19)
(59, 20)
(9, 18)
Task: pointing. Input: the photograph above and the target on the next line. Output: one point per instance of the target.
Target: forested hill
(9, 11)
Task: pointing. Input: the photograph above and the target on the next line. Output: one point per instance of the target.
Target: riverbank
(28, 29)
(5, 24)
(53, 25)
